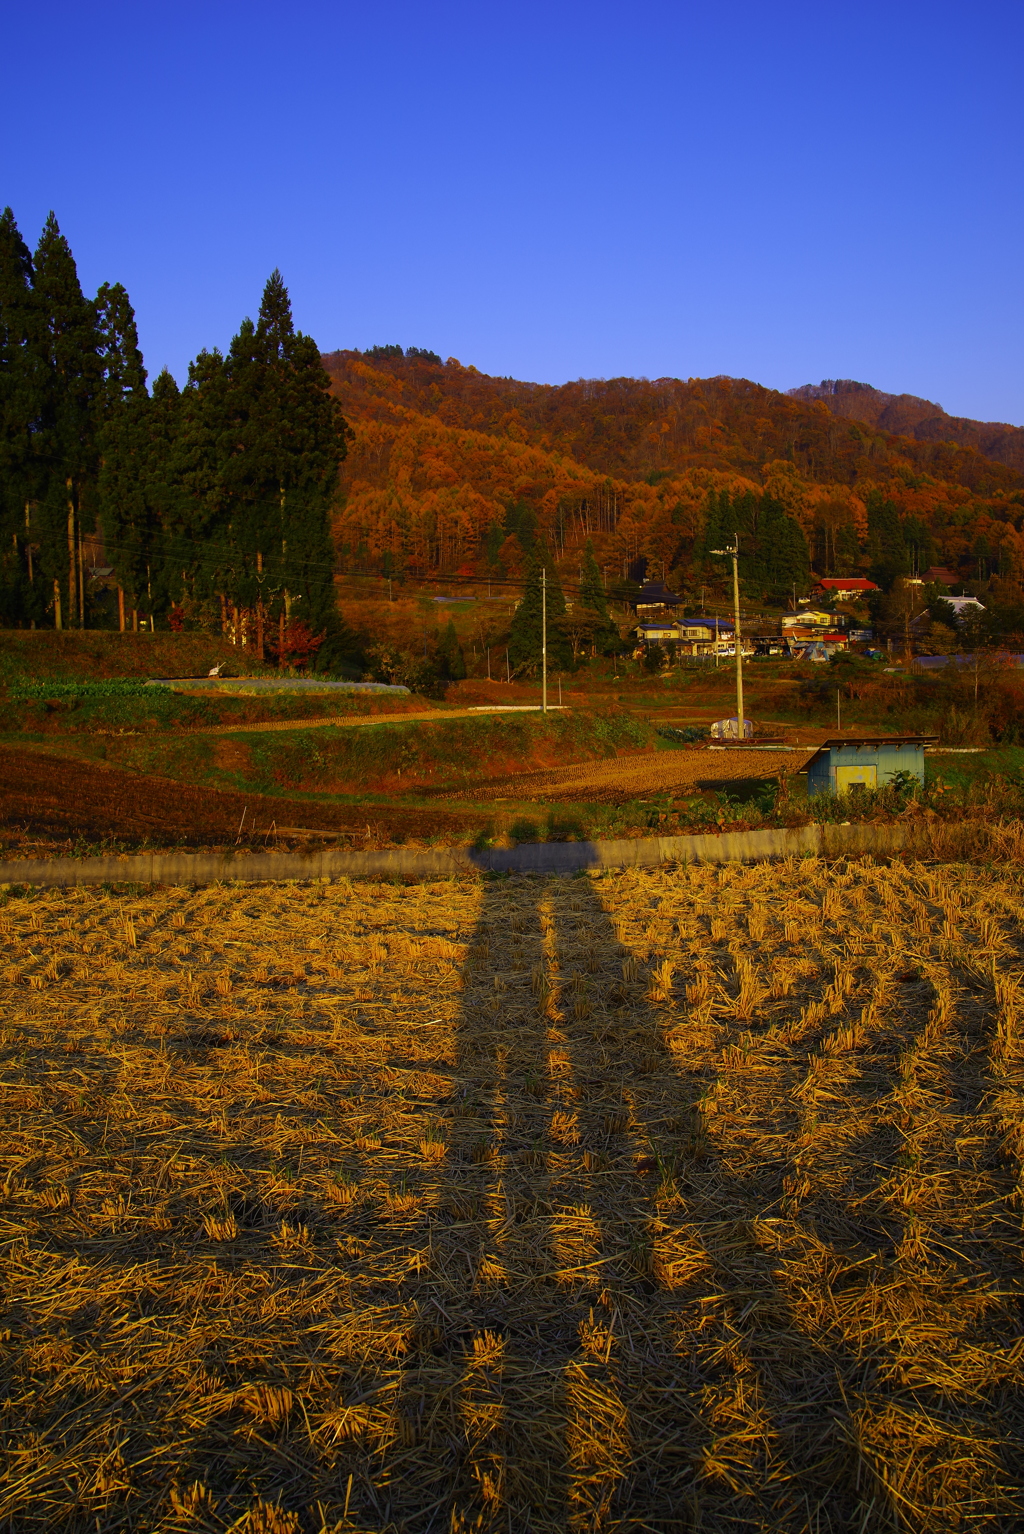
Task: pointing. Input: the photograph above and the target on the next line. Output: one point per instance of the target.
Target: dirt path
(643, 775)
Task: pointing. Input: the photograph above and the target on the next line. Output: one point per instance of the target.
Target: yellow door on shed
(856, 777)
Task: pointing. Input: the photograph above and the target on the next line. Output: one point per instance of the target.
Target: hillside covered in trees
(235, 502)
(440, 455)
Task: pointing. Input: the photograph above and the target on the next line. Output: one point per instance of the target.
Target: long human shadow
(604, 1343)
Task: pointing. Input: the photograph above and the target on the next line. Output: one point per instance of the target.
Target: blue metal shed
(860, 761)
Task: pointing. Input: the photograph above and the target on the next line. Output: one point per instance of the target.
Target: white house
(964, 605)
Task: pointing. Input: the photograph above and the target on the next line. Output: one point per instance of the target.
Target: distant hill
(907, 416)
(443, 459)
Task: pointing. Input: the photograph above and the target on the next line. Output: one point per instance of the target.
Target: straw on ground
(649, 1201)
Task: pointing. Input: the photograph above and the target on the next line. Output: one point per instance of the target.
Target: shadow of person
(603, 1342)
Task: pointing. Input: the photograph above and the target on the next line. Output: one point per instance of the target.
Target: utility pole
(734, 555)
(260, 637)
(544, 640)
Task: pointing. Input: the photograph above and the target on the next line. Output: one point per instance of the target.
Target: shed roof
(837, 742)
(880, 740)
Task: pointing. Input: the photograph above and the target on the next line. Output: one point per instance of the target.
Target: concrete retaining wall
(864, 836)
(443, 862)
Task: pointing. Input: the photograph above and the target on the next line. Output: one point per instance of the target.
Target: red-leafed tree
(295, 645)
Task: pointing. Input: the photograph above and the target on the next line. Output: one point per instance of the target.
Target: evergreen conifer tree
(192, 479)
(887, 548)
(172, 527)
(265, 423)
(521, 523)
(129, 527)
(248, 512)
(773, 548)
(68, 348)
(21, 400)
(451, 662)
(314, 448)
(525, 641)
(593, 600)
(781, 556)
(493, 540)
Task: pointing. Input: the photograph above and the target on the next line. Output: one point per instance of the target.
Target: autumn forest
(439, 452)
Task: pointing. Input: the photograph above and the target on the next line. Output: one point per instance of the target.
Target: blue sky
(779, 191)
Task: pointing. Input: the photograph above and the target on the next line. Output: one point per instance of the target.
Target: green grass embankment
(977, 770)
(451, 754)
(57, 707)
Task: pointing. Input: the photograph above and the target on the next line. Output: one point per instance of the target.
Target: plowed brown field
(56, 796)
(636, 777)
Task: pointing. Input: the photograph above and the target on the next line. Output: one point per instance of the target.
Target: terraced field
(686, 1199)
(638, 776)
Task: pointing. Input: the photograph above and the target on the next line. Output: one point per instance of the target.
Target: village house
(964, 606)
(921, 624)
(845, 588)
(812, 618)
(939, 575)
(692, 636)
(654, 600)
(655, 632)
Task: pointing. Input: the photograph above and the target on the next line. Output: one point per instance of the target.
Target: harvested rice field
(622, 778)
(652, 1201)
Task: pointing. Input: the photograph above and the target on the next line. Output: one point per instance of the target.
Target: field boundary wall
(443, 862)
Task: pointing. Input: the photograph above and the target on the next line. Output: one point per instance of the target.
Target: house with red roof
(939, 575)
(843, 587)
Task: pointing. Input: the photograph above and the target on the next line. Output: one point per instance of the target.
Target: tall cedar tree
(262, 442)
(524, 642)
(21, 400)
(451, 661)
(129, 527)
(593, 600)
(887, 548)
(170, 516)
(773, 549)
(72, 383)
(192, 475)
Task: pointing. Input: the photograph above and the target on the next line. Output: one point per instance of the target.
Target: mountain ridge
(908, 415)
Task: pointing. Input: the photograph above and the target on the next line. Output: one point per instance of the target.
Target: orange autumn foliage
(440, 451)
